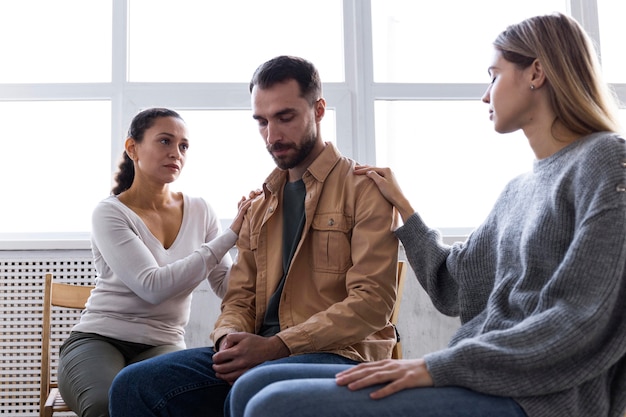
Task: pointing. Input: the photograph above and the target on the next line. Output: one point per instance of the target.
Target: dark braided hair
(143, 121)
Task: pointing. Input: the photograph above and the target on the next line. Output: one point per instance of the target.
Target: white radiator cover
(21, 295)
(21, 298)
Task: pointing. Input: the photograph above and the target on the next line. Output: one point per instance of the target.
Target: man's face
(287, 123)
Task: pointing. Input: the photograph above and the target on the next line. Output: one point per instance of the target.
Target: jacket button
(271, 209)
(621, 188)
(331, 222)
(623, 163)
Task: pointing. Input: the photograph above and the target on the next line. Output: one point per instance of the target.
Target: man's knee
(127, 383)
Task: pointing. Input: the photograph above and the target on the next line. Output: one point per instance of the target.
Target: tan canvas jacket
(341, 285)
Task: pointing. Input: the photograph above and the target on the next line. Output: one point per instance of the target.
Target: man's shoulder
(345, 169)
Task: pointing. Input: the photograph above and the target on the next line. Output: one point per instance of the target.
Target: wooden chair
(69, 297)
(400, 276)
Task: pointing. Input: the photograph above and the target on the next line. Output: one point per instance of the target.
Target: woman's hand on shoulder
(389, 187)
(242, 206)
(397, 374)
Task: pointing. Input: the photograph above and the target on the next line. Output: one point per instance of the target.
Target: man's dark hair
(284, 68)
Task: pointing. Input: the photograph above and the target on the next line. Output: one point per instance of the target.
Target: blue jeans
(183, 384)
(310, 390)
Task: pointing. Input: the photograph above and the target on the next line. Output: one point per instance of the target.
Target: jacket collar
(319, 169)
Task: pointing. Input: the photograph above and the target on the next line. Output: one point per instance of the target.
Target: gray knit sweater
(540, 287)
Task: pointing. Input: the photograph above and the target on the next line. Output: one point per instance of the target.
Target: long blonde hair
(583, 102)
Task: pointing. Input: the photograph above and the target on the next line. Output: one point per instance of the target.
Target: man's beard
(302, 151)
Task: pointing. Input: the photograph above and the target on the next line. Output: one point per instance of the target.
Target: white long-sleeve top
(143, 291)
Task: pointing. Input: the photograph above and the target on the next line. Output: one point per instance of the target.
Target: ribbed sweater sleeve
(539, 286)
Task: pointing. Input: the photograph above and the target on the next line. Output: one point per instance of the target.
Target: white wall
(422, 328)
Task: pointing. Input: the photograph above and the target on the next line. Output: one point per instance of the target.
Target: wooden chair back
(67, 296)
(395, 315)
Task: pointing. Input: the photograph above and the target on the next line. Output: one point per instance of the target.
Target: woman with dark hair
(539, 286)
(151, 248)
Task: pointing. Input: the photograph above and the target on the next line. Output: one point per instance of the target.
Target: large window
(611, 15)
(56, 164)
(65, 41)
(224, 41)
(446, 41)
(449, 161)
(402, 79)
(439, 139)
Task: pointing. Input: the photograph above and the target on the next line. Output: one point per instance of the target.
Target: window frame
(353, 99)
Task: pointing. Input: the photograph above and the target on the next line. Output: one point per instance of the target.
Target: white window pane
(64, 41)
(450, 162)
(225, 41)
(622, 118)
(227, 157)
(447, 41)
(611, 14)
(58, 164)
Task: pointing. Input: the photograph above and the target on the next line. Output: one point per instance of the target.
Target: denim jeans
(183, 384)
(310, 390)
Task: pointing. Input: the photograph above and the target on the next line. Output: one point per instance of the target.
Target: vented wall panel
(21, 296)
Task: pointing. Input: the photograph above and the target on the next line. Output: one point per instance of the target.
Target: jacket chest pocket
(330, 242)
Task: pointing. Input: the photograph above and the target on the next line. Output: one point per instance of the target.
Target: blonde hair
(583, 102)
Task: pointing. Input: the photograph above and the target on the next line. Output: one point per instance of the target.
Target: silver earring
(532, 86)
